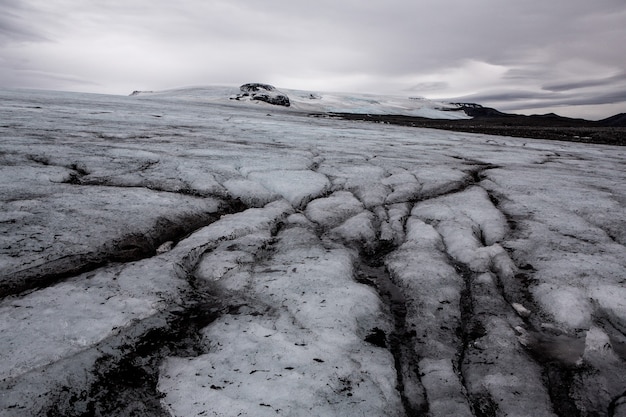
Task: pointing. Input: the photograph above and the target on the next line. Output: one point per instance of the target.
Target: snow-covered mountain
(321, 102)
(173, 254)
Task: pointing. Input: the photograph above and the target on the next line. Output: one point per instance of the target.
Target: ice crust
(310, 336)
(508, 254)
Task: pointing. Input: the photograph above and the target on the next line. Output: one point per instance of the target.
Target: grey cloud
(502, 96)
(396, 38)
(530, 72)
(15, 26)
(531, 99)
(603, 98)
(231, 41)
(586, 83)
(428, 86)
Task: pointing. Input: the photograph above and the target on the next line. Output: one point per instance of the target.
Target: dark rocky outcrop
(139, 92)
(263, 92)
(254, 87)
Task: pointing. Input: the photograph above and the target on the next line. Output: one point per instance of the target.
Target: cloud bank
(526, 56)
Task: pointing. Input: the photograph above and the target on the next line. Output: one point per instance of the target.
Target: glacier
(183, 254)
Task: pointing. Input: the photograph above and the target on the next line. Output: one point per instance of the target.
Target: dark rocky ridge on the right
(486, 120)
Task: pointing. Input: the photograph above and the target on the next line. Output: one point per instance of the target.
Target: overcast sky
(530, 56)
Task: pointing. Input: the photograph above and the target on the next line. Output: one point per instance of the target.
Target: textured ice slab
(61, 320)
(65, 229)
(297, 187)
(295, 347)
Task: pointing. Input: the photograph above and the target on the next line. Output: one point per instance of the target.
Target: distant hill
(312, 102)
(619, 120)
(409, 111)
(611, 131)
(550, 119)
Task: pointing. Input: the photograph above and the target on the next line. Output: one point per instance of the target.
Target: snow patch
(358, 229)
(297, 187)
(334, 209)
(611, 301)
(306, 354)
(598, 347)
(569, 306)
(249, 192)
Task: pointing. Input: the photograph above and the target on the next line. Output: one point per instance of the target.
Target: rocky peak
(254, 87)
(263, 92)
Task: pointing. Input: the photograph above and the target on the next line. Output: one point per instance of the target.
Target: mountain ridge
(408, 111)
(478, 111)
(338, 102)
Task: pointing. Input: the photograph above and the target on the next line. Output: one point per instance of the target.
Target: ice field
(175, 254)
